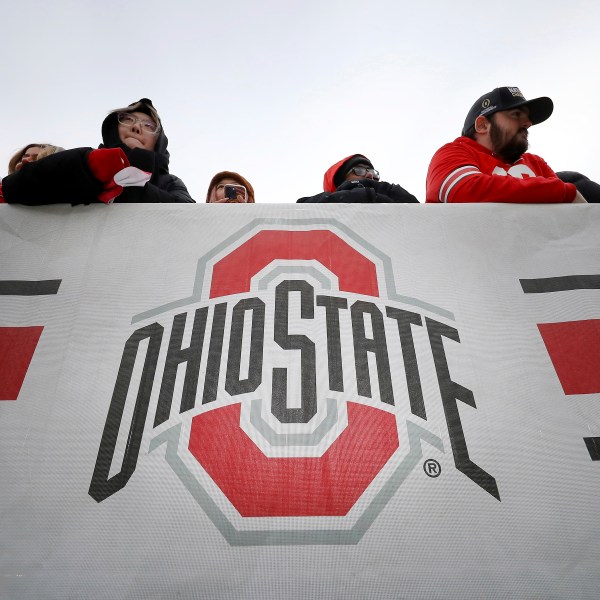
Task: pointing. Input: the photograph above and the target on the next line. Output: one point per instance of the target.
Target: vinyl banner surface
(281, 401)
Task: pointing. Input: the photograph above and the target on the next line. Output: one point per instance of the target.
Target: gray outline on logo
(293, 439)
(320, 277)
(203, 262)
(339, 537)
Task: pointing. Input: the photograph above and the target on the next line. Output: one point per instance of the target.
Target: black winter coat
(364, 191)
(65, 177)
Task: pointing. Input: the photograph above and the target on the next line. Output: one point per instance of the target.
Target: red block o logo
(261, 486)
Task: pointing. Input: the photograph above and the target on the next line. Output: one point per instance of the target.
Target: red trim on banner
(17, 345)
(574, 348)
(232, 274)
(259, 486)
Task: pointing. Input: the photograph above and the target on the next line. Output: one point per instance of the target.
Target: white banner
(316, 401)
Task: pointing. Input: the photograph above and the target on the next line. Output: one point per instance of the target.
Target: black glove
(354, 184)
(393, 192)
(145, 160)
(371, 190)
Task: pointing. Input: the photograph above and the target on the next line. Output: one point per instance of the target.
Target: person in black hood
(131, 165)
(354, 180)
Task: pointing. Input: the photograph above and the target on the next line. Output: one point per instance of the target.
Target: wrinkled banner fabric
(300, 402)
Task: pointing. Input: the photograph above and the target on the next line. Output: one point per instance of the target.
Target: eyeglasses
(130, 120)
(362, 172)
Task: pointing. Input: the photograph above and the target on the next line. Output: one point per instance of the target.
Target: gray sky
(279, 91)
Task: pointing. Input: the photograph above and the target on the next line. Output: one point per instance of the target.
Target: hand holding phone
(235, 193)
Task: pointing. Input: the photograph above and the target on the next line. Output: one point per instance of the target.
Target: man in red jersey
(490, 163)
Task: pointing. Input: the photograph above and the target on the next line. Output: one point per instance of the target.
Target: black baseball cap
(505, 98)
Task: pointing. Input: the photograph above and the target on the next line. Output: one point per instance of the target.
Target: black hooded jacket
(361, 191)
(364, 191)
(65, 177)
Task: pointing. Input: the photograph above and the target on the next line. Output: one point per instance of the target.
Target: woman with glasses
(131, 165)
(354, 180)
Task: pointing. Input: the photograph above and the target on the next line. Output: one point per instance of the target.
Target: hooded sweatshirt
(337, 190)
(66, 177)
(336, 174)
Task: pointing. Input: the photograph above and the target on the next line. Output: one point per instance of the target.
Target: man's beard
(510, 150)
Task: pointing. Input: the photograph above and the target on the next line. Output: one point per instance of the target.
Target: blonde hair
(47, 149)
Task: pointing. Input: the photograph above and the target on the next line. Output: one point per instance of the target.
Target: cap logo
(486, 107)
(515, 91)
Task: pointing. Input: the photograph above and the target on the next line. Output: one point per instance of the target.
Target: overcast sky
(280, 90)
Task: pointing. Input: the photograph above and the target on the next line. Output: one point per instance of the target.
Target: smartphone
(230, 192)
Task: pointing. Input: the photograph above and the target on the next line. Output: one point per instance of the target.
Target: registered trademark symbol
(432, 468)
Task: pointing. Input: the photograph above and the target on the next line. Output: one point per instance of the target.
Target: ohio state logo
(286, 391)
